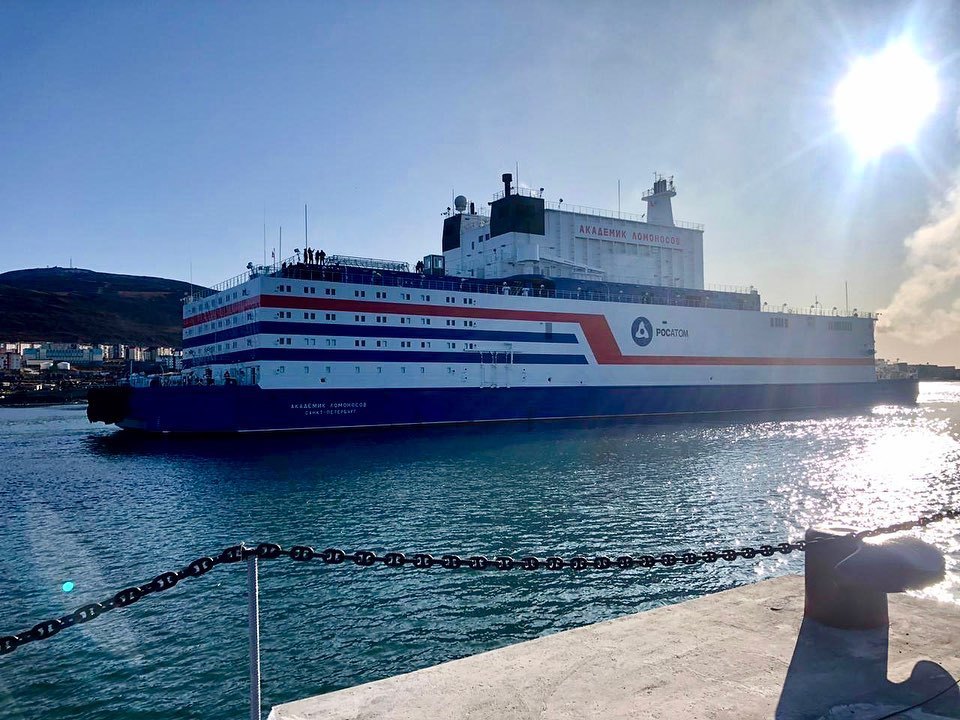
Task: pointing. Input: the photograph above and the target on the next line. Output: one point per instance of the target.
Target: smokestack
(507, 179)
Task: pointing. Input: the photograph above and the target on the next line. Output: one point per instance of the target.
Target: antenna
(306, 244)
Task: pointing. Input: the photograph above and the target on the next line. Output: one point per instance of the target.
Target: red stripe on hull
(595, 328)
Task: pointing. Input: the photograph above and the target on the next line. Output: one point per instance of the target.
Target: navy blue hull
(221, 409)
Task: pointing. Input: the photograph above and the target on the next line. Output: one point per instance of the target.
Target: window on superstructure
(422, 370)
(405, 296)
(779, 322)
(381, 295)
(403, 370)
(404, 321)
(356, 368)
(359, 318)
(425, 298)
(425, 321)
(329, 291)
(331, 316)
(359, 293)
(451, 322)
(844, 325)
(327, 369)
(289, 288)
(452, 345)
(331, 342)
(379, 369)
(359, 343)
(425, 344)
(381, 318)
(306, 369)
(306, 290)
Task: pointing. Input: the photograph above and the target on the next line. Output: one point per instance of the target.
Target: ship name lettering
(329, 408)
(654, 238)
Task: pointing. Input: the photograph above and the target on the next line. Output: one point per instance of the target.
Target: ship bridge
(525, 234)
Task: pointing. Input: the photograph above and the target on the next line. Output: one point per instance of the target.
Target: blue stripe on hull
(472, 357)
(410, 331)
(239, 408)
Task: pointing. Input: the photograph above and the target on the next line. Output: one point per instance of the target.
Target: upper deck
(379, 272)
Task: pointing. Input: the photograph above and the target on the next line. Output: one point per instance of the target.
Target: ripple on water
(105, 510)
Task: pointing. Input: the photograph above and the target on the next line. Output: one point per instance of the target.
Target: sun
(885, 98)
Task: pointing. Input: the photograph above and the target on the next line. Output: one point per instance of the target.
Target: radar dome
(460, 203)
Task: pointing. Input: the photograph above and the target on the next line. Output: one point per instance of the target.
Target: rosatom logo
(642, 331)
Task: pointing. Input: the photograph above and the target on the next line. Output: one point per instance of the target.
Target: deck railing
(724, 297)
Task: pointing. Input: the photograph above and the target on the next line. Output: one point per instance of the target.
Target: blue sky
(148, 137)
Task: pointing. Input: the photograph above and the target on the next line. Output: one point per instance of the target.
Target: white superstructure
(579, 243)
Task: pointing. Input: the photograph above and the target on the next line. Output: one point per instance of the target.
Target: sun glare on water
(885, 98)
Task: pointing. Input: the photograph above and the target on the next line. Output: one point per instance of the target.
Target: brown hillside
(70, 305)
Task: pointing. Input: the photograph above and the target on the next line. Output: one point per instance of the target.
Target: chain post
(253, 621)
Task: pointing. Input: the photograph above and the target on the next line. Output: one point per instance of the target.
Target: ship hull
(230, 409)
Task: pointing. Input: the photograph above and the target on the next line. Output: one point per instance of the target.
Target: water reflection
(108, 508)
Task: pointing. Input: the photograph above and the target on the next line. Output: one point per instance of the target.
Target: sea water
(88, 510)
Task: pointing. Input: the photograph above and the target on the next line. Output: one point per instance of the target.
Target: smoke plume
(926, 306)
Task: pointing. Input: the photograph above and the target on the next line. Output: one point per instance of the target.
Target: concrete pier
(744, 653)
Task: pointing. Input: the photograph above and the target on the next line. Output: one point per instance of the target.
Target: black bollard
(847, 579)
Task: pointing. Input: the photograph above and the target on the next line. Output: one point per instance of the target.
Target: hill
(83, 306)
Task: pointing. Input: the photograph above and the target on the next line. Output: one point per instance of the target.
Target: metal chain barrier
(365, 558)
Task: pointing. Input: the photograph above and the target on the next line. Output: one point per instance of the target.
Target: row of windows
(379, 294)
(307, 289)
(212, 304)
(328, 370)
(844, 325)
(358, 342)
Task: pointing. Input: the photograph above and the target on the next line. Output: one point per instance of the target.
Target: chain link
(365, 558)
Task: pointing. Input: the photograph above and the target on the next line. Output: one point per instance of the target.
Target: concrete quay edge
(741, 653)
